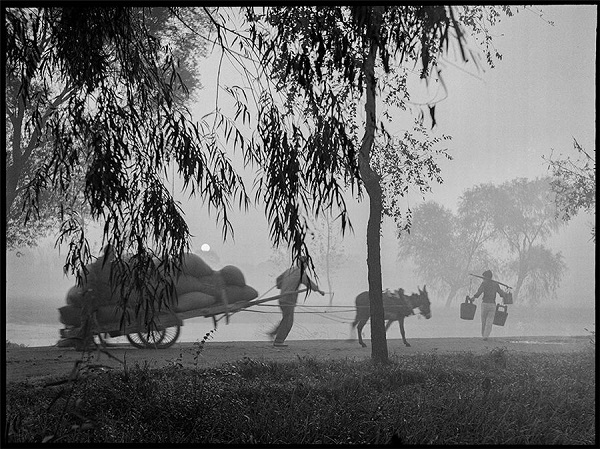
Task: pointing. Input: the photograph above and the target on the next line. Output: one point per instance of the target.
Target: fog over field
(539, 97)
(35, 290)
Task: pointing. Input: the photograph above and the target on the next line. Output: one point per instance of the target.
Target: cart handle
(270, 298)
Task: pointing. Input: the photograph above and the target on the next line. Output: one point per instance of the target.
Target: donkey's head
(423, 302)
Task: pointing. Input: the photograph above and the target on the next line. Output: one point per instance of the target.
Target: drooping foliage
(525, 216)
(96, 88)
(123, 121)
(444, 248)
(403, 163)
(574, 182)
(317, 56)
(50, 84)
(329, 56)
(544, 270)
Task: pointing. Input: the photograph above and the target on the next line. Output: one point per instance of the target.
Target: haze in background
(538, 98)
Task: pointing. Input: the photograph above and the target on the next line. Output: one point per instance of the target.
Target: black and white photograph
(299, 223)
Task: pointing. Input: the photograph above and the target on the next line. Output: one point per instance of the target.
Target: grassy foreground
(497, 398)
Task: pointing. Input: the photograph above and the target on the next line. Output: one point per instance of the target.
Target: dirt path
(42, 363)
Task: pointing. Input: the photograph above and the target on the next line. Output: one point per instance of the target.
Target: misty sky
(538, 97)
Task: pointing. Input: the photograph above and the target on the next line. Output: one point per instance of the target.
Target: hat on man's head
(487, 274)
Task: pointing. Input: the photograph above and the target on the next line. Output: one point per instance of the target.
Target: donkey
(396, 307)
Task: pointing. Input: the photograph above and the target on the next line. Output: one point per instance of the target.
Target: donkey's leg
(352, 326)
(387, 325)
(351, 336)
(360, 326)
(401, 322)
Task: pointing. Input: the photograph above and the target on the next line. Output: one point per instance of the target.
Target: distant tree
(431, 244)
(328, 251)
(544, 273)
(492, 222)
(476, 224)
(325, 247)
(445, 247)
(574, 182)
(524, 214)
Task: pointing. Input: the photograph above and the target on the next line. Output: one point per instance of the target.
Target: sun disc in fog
(205, 247)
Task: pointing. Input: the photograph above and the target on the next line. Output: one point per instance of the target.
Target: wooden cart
(168, 325)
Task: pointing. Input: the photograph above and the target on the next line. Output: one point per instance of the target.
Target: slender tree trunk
(13, 171)
(451, 295)
(327, 262)
(520, 280)
(379, 350)
(523, 270)
(21, 153)
(12, 180)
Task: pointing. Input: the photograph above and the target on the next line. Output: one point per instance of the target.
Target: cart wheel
(152, 339)
(170, 336)
(155, 339)
(136, 340)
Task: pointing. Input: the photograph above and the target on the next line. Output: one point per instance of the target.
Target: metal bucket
(500, 315)
(467, 309)
(508, 299)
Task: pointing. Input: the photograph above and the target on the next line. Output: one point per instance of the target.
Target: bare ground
(43, 363)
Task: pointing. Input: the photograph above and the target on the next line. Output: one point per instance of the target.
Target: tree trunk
(12, 181)
(21, 154)
(520, 280)
(327, 256)
(523, 269)
(379, 350)
(13, 171)
(451, 295)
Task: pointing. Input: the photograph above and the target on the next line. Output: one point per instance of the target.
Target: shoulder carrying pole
(497, 282)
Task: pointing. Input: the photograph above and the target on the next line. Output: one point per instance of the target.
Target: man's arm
(479, 291)
(501, 292)
(309, 283)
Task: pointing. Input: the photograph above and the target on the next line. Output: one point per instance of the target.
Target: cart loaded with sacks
(200, 292)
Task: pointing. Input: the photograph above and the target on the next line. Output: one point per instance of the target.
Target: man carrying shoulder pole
(488, 288)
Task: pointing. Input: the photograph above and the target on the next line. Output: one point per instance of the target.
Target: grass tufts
(494, 398)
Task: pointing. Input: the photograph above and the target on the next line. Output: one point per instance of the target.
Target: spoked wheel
(136, 340)
(160, 339)
(170, 336)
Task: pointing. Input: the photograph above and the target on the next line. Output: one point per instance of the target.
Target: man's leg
(272, 333)
(286, 323)
(484, 314)
(489, 319)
